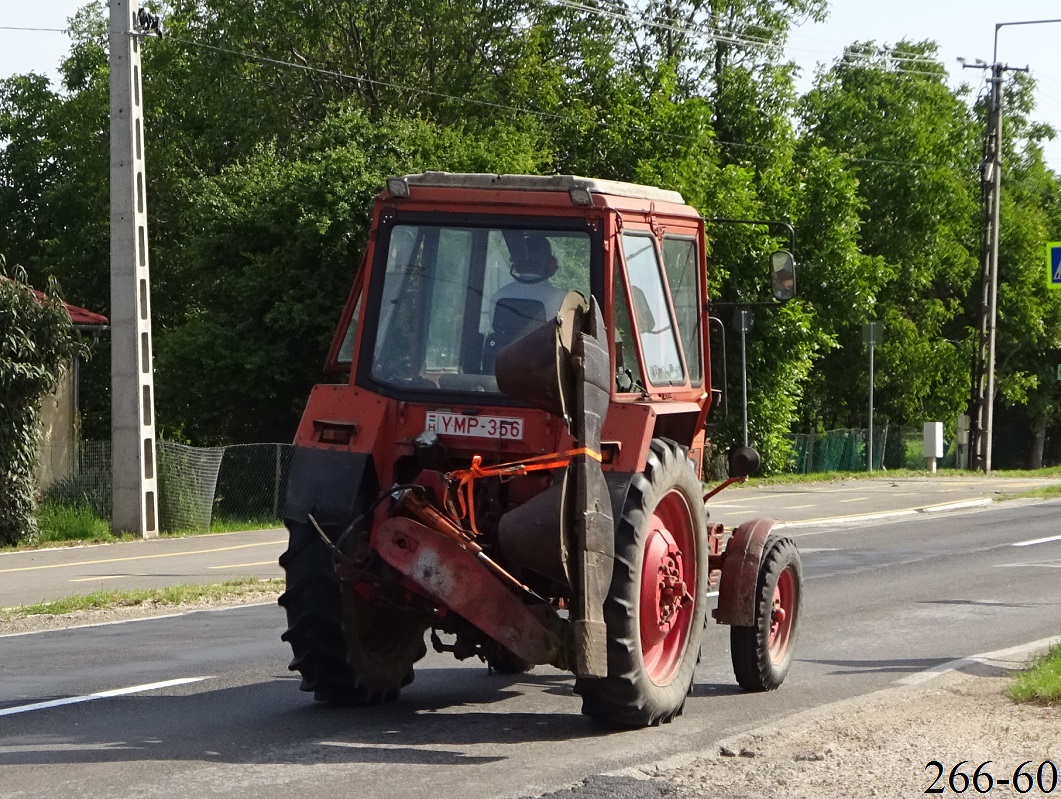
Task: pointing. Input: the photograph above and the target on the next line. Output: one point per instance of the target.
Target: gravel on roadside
(884, 746)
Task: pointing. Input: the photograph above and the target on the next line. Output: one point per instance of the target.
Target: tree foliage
(37, 343)
(913, 148)
(270, 125)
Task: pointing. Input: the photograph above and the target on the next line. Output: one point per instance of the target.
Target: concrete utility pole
(133, 468)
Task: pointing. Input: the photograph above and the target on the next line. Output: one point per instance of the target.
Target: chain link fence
(247, 483)
(847, 450)
(196, 485)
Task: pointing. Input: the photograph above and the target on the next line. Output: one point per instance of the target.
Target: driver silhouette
(531, 275)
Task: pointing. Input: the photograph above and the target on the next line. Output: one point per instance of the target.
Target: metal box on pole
(933, 443)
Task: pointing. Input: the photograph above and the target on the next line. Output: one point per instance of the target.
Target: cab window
(682, 263)
(652, 318)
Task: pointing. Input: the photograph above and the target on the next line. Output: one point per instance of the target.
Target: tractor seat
(513, 318)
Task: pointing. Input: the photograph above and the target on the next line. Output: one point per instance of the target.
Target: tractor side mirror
(743, 462)
(783, 275)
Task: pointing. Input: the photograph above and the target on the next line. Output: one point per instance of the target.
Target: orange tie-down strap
(466, 477)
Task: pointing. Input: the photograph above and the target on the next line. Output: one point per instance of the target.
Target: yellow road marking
(243, 565)
(100, 577)
(139, 557)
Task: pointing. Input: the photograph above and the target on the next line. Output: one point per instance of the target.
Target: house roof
(81, 317)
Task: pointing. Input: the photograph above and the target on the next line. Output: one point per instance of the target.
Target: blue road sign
(1053, 265)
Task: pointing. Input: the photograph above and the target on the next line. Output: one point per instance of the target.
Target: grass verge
(170, 596)
(63, 524)
(1037, 493)
(69, 525)
(1041, 682)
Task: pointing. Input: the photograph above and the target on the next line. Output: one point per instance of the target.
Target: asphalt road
(40, 575)
(48, 574)
(886, 600)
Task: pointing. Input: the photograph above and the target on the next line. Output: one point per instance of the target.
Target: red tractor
(512, 469)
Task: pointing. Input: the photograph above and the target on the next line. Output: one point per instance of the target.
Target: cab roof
(557, 183)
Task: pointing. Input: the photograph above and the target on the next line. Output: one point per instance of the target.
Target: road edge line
(175, 615)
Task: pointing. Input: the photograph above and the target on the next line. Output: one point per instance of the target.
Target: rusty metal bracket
(455, 578)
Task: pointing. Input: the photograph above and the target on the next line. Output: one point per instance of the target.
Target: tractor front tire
(762, 654)
(655, 607)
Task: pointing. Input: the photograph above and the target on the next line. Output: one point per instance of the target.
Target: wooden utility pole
(134, 473)
(981, 426)
(991, 182)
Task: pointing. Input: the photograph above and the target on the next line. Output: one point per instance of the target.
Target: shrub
(37, 342)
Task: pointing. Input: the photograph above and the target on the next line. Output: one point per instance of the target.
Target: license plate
(457, 424)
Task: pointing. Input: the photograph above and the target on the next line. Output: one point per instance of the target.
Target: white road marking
(812, 550)
(1041, 565)
(140, 557)
(73, 700)
(160, 617)
(1012, 658)
(800, 507)
(245, 565)
(710, 594)
(964, 503)
(853, 499)
(1037, 541)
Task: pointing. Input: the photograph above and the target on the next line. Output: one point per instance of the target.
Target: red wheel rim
(782, 615)
(668, 585)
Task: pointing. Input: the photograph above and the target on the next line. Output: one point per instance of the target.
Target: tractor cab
(460, 266)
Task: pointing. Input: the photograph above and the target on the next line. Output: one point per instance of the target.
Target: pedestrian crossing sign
(1053, 265)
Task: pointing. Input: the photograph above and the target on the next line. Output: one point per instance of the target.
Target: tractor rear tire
(762, 654)
(318, 622)
(655, 608)
(382, 643)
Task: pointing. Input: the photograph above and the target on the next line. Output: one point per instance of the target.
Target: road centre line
(73, 700)
(1033, 565)
(245, 565)
(1037, 541)
(139, 557)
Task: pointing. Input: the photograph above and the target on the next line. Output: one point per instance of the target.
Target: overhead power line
(341, 76)
(714, 34)
(335, 74)
(38, 30)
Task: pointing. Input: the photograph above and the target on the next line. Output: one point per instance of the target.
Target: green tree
(1028, 337)
(913, 146)
(277, 241)
(37, 342)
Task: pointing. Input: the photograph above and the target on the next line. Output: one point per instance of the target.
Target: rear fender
(333, 486)
(740, 573)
